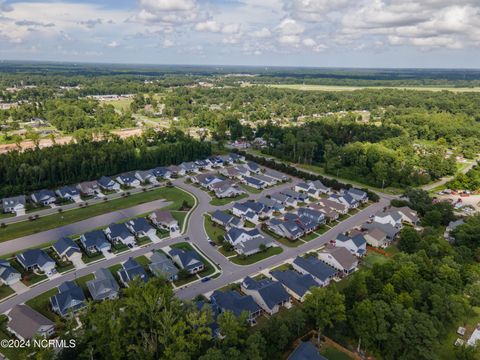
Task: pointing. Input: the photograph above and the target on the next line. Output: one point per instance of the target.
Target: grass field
(225, 201)
(121, 104)
(41, 303)
(250, 189)
(24, 228)
(333, 354)
(252, 259)
(5, 291)
(351, 88)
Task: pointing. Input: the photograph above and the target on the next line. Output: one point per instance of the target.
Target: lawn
(252, 259)
(24, 228)
(333, 354)
(82, 282)
(250, 189)
(28, 277)
(310, 237)
(282, 267)
(215, 232)
(282, 240)
(89, 258)
(41, 303)
(373, 258)
(228, 200)
(142, 260)
(180, 216)
(5, 291)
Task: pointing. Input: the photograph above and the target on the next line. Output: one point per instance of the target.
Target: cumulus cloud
(262, 33)
(169, 11)
(113, 45)
(314, 10)
(290, 27)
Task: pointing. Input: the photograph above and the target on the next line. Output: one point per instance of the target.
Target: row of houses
(132, 179)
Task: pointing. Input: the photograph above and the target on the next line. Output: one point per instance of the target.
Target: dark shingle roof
(298, 283)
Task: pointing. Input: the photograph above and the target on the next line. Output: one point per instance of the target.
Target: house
(163, 267)
(307, 224)
(15, 204)
(8, 274)
(205, 180)
(296, 284)
(27, 323)
(188, 260)
(44, 197)
(36, 259)
(243, 170)
(247, 242)
(267, 180)
(161, 172)
(330, 214)
(164, 220)
(319, 188)
(316, 216)
(67, 249)
(242, 210)
(70, 299)
(88, 188)
(226, 188)
(306, 350)
(245, 213)
(215, 161)
(236, 157)
(280, 177)
(345, 199)
(119, 233)
(452, 225)
(104, 286)
(108, 184)
(176, 170)
(302, 187)
(203, 164)
(357, 244)
(146, 176)
(95, 241)
(392, 217)
(357, 194)
(230, 172)
(253, 182)
(269, 294)
(131, 270)
(69, 193)
(340, 259)
(272, 204)
(283, 199)
(409, 216)
(140, 227)
(226, 220)
(297, 196)
(391, 231)
(320, 272)
(340, 208)
(376, 237)
(128, 179)
(285, 228)
(189, 167)
(236, 303)
(253, 167)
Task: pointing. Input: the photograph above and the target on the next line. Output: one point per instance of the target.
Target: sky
(318, 33)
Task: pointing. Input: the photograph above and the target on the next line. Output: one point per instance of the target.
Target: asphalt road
(18, 244)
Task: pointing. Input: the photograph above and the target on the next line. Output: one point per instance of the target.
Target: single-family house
(226, 220)
(277, 175)
(203, 164)
(146, 176)
(205, 179)
(131, 270)
(140, 227)
(95, 241)
(302, 187)
(316, 216)
(359, 195)
(70, 299)
(235, 157)
(248, 242)
(272, 204)
(269, 181)
(307, 224)
(161, 172)
(376, 237)
(128, 179)
(409, 215)
(108, 184)
(284, 200)
(164, 220)
(226, 188)
(88, 188)
(69, 193)
(267, 293)
(245, 213)
(253, 167)
(163, 267)
(356, 244)
(189, 167)
(119, 233)
(67, 249)
(14, 204)
(306, 350)
(27, 323)
(319, 188)
(8, 274)
(44, 197)
(215, 161)
(339, 207)
(298, 285)
(345, 199)
(176, 170)
(236, 303)
(188, 260)
(452, 225)
(330, 214)
(321, 272)
(36, 259)
(391, 231)
(391, 216)
(230, 172)
(289, 229)
(104, 286)
(297, 196)
(340, 259)
(243, 170)
(254, 182)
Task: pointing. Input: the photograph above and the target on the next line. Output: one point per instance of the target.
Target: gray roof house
(26, 323)
(297, 285)
(44, 197)
(306, 351)
(276, 175)
(141, 227)
(339, 258)
(188, 260)
(104, 286)
(321, 272)
(95, 241)
(356, 244)
(88, 188)
(14, 204)
(248, 242)
(162, 266)
(226, 188)
(391, 231)
(266, 179)
(36, 259)
(145, 176)
(320, 187)
(131, 270)
(236, 303)
(164, 220)
(254, 182)
(298, 196)
(283, 199)
(285, 228)
(358, 194)
(70, 299)
(226, 220)
(345, 199)
(316, 216)
(269, 294)
(119, 233)
(128, 179)
(68, 249)
(272, 204)
(162, 172)
(69, 193)
(107, 183)
(253, 167)
(8, 274)
(189, 167)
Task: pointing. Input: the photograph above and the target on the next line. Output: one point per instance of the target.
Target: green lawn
(24, 228)
(282, 267)
(142, 260)
(89, 258)
(225, 201)
(310, 237)
(333, 354)
(180, 216)
(41, 303)
(208, 268)
(250, 189)
(82, 282)
(256, 257)
(373, 258)
(28, 277)
(215, 232)
(282, 240)
(5, 291)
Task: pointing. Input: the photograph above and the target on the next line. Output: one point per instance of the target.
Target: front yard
(220, 202)
(252, 259)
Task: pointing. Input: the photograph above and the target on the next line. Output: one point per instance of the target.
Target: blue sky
(341, 33)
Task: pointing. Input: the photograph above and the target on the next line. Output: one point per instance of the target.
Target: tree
(409, 240)
(325, 306)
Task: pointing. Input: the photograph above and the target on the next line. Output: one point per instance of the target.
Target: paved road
(444, 180)
(18, 244)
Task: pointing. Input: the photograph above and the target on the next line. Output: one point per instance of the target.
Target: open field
(351, 88)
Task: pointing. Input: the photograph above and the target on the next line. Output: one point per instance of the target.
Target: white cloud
(113, 45)
(167, 5)
(210, 25)
(314, 10)
(290, 27)
(262, 33)
(167, 43)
